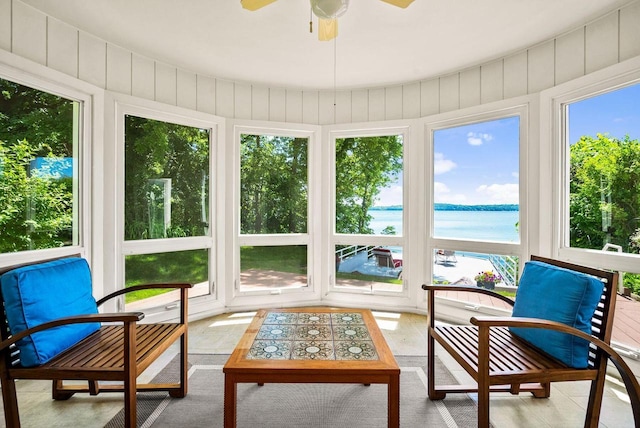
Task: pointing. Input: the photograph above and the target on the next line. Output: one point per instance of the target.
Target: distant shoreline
(455, 207)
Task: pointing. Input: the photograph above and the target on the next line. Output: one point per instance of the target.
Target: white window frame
(553, 146)
(212, 302)
(407, 296)
(90, 101)
(236, 297)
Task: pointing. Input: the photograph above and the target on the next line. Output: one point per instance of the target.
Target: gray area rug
(300, 405)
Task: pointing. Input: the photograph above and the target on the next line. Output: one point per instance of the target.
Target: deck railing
(507, 267)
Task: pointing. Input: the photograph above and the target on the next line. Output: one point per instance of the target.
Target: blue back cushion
(557, 294)
(43, 292)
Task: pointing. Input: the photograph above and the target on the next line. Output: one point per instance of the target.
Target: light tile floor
(406, 335)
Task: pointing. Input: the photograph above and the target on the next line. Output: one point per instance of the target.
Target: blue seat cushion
(557, 294)
(43, 292)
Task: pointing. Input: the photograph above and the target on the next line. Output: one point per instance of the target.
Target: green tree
(36, 145)
(364, 166)
(604, 196)
(273, 184)
(161, 150)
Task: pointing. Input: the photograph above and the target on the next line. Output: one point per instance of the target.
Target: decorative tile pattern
(270, 350)
(313, 336)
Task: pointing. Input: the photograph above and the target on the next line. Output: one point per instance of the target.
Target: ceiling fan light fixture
(327, 30)
(255, 4)
(400, 3)
(329, 9)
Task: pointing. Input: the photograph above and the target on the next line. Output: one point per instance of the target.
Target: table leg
(393, 395)
(230, 398)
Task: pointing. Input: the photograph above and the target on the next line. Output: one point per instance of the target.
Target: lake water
(476, 225)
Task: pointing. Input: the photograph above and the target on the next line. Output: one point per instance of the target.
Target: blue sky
(478, 163)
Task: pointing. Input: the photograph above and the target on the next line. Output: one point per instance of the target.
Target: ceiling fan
(327, 11)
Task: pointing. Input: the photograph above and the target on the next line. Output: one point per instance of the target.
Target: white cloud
(442, 195)
(498, 193)
(442, 165)
(478, 138)
(390, 196)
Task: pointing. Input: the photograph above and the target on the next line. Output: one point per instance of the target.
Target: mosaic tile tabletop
(313, 336)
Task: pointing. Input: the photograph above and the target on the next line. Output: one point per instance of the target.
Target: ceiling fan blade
(400, 3)
(328, 29)
(255, 4)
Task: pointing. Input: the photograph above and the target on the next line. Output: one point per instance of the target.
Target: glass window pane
(39, 180)
(274, 184)
(166, 180)
(604, 171)
(273, 267)
(476, 181)
(179, 266)
(491, 271)
(369, 267)
(369, 185)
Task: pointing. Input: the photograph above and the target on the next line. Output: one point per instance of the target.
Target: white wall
(32, 34)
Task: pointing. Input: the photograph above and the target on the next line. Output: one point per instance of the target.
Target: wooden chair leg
(543, 392)
(595, 400)
(10, 400)
(184, 370)
(58, 393)
(431, 370)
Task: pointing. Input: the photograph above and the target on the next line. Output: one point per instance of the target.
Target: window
(603, 150)
(476, 216)
(476, 181)
(166, 179)
(39, 169)
(369, 201)
(274, 198)
(166, 229)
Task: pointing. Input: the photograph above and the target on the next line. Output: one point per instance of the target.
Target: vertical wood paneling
(492, 81)
(429, 97)
(470, 87)
(343, 107)
(206, 94)
(360, 105)
(327, 108)
(515, 75)
(260, 103)
(29, 33)
(143, 77)
(450, 92)
(411, 100)
(242, 101)
(294, 106)
(602, 43)
(376, 104)
(224, 98)
(92, 57)
(570, 56)
(118, 69)
(630, 31)
(62, 47)
(5, 25)
(310, 107)
(277, 105)
(393, 103)
(541, 67)
(166, 83)
(187, 91)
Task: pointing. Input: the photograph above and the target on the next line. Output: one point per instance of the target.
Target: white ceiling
(378, 44)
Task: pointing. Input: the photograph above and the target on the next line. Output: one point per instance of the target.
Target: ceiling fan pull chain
(310, 20)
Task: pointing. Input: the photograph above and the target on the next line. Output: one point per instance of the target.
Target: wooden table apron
(239, 369)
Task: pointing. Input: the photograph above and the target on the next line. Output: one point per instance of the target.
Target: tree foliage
(273, 184)
(157, 150)
(36, 203)
(604, 196)
(364, 166)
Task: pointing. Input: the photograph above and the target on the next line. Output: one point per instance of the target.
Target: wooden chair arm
(629, 379)
(123, 317)
(143, 287)
(466, 288)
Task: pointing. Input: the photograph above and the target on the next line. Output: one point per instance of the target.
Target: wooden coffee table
(312, 345)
